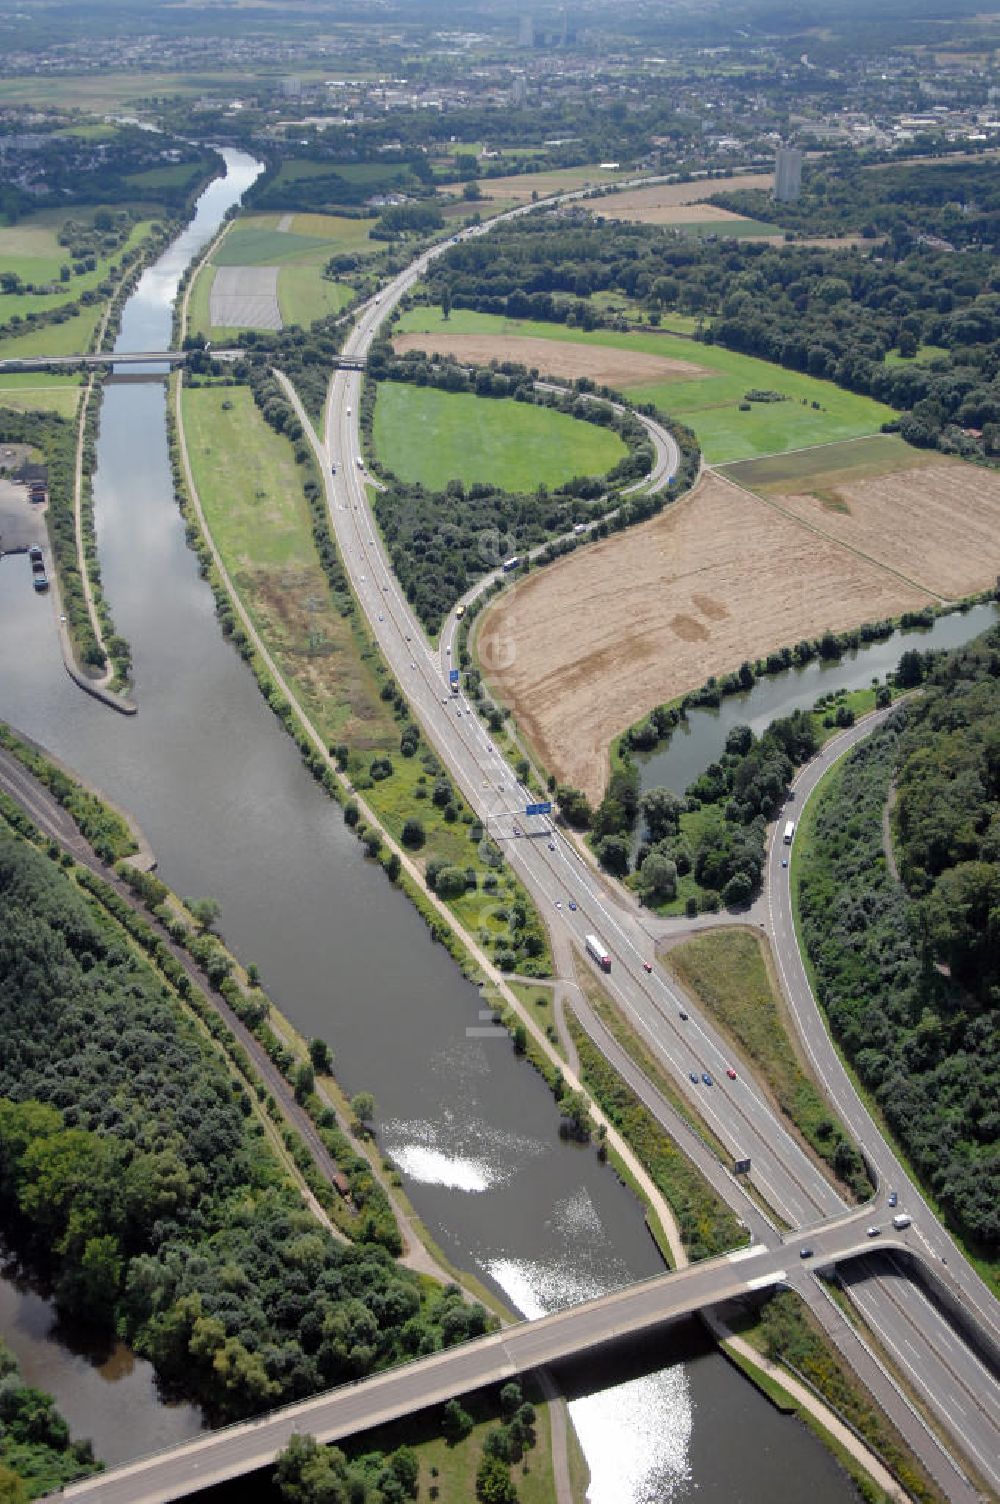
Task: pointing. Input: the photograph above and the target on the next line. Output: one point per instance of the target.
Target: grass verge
(729, 972)
(707, 1225)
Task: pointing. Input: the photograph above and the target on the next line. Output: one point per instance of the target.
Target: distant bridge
(140, 357)
(238, 1450)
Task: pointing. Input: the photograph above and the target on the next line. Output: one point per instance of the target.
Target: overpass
(625, 1315)
(141, 358)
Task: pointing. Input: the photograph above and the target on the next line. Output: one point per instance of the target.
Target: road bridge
(142, 358)
(623, 1316)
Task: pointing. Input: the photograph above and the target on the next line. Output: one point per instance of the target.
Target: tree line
(833, 313)
(133, 1171)
(907, 971)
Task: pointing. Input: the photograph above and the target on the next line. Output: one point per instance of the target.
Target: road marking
(764, 1280)
(746, 1253)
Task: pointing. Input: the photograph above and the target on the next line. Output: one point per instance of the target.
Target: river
(701, 739)
(221, 793)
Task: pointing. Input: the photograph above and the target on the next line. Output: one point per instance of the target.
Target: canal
(230, 811)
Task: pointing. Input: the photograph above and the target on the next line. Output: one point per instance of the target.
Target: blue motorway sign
(545, 808)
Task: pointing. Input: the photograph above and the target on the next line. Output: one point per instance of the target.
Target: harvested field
(245, 297)
(650, 213)
(647, 204)
(595, 641)
(603, 364)
(938, 524)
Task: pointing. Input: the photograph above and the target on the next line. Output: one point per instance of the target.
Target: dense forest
(133, 1171)
(835, 313)
(908, 971)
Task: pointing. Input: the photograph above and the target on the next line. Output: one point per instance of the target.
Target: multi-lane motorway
(937, 1363)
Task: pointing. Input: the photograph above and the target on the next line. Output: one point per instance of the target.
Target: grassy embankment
(300, 254)
(433, 437)
(263, 532)
(707, 1225)
(707, 403)
(450, 1467)
(785, 1331)
(729, 973)
(805, 855)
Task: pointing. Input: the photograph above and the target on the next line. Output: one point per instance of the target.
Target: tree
(445, 301)
(305, 1080)
(414, 834)
(493, 1482)
(456, 1423)
(205, 912)
(363, 1107)
(658, 878)
(661, 811)
(321, 1056)
(613, 854)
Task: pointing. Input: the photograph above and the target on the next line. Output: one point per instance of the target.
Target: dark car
(682, 1016)
(805, 1253)
(706, 1078)
(694, 1077)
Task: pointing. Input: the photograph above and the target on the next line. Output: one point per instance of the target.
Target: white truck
(598, 951)
(901, 1220)
(789, 831)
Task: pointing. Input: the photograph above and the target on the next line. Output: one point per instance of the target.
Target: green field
(300, 254)
(829, 465)
(36, 389)
(708, 404)
(304, 294)
(32, 251)
(729, 229)
(251, 492)
(434, 437)
(71, 337)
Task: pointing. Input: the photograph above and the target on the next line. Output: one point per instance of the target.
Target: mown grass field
(251, 491)
(35, 389)
(708, 404)
(434, 437)
(71, 337)
(728, 973)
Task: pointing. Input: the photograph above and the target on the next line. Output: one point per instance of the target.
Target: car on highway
(552, 845)
(730, 1073)
(805, 1253)
(893, 1198)
(873, 1232)
(647, 966)
(784, 861)
(682, 1016)
(572, 904)
(706, 1078)
(558, 903)
(694, 1077)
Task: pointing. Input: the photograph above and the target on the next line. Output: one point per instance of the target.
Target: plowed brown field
(592, 643)
(552, 357)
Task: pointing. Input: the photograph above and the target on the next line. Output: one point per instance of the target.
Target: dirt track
(552, 357)
(641, 617)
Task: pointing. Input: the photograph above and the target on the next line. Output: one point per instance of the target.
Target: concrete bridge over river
(626, 1314)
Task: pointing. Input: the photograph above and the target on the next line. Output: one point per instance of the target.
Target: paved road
(555, 874)
(628, 1313)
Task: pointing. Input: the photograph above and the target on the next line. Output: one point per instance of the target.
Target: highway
(626, 1314)
(554, 873)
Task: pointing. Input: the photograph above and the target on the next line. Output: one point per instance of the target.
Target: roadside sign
(545, 808)
(741, 1167)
